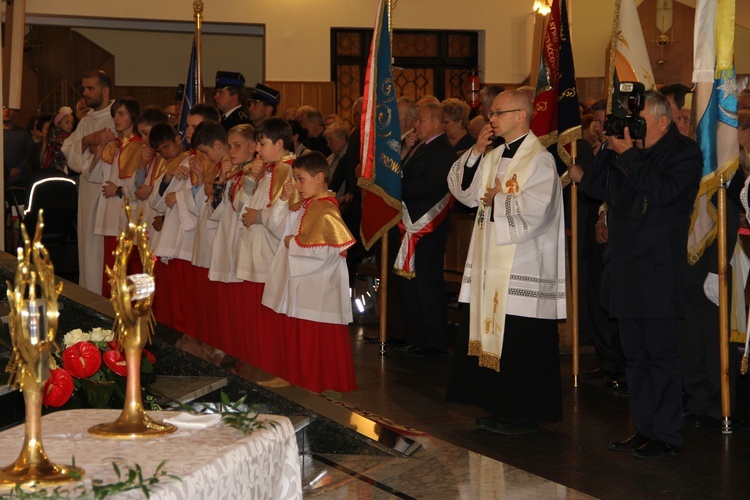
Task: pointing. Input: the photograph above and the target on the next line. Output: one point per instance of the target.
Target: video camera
(631, 95)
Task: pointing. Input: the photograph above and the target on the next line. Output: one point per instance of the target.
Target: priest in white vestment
(514, 278)
(95, 130)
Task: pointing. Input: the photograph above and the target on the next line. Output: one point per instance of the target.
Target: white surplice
(90, 245)
(258, 245)
(226, 244)
(205, 230)
(110, 215)
(178, 231)
(309, 283)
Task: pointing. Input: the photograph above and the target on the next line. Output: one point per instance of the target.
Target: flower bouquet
(91, 368)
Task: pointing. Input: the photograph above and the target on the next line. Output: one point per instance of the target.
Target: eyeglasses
(500, 113)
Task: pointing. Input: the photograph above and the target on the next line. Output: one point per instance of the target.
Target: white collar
(231, 111)
(101, 112)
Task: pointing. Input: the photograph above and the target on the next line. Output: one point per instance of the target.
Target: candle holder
(132, 297)
(33, 324)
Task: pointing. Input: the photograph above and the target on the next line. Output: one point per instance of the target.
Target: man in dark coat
(649, 187)
(229, 95)
(424, 192)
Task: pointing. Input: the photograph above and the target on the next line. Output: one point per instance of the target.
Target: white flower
(101, 335)
(75, 336)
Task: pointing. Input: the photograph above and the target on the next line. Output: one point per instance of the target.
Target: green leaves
(235, 414)
(243, 420)
(128, 479)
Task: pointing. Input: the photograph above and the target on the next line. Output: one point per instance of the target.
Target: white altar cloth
(218, 462)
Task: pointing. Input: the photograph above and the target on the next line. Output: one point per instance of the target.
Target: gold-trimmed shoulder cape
(129, 157)
(321, 223)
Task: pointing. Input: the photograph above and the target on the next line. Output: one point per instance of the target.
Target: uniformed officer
(263, 103)
(229, 95)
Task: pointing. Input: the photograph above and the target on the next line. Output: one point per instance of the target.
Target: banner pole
(726, 404)
(383, 290)
(574, 262)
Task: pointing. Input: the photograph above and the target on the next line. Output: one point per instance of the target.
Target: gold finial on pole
(134, 325)
(33, 324)
(198, 16)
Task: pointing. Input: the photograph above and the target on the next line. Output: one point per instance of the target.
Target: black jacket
(650, 196)
(425, 176)
(236, 117)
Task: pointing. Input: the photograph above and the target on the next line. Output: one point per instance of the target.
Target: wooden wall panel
(159, 96)
(590, 88)
(677, 56)
(321, 95)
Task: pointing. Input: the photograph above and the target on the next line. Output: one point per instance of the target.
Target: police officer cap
(266, 94)
(225, 79)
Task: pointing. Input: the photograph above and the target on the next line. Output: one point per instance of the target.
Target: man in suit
(229, 95)
(426, 206)
(649, 186)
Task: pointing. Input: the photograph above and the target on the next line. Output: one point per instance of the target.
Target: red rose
(82, 360)
(115, 361)
(58, 388)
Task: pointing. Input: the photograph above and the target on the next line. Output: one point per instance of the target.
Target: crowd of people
(249, 239)
(254, 219)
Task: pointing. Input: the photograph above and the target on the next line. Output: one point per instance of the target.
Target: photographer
(649, 183)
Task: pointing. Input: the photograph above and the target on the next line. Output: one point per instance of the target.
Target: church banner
(715, 105)
(381, 138)
(557, 119)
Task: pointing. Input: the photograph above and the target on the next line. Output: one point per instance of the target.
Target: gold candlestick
(33, 323)
(134, 326)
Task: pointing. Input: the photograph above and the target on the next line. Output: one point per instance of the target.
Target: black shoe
(612, 385)
(703, 422)
(687, 413)
(656, 449)
(622, 387)
(507, 428)
(633, 442)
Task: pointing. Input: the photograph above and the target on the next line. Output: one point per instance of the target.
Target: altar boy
(308, 280)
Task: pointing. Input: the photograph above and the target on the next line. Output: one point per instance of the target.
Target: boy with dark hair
(199, 113)
(308, 281)
(210, 141)
(173, 196)
(258, 245)
(116, 170)
(150, 167)
(274, 144)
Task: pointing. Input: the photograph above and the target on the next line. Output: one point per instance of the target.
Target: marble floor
(565, 460)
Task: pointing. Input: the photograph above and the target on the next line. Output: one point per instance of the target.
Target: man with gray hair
(650, 185)
(407, 115)
(315, 125)
(424, 233)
